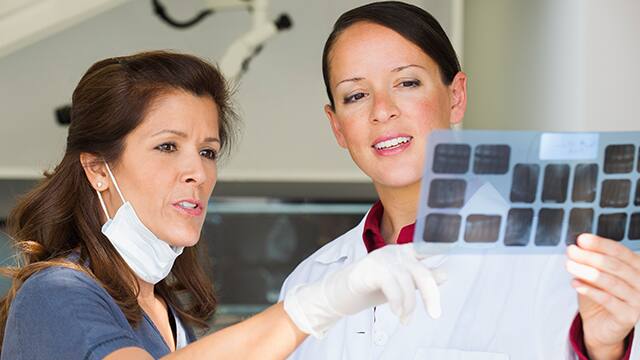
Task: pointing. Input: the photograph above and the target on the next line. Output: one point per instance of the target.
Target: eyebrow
(349, 80)
(183, 135)
(398, 69)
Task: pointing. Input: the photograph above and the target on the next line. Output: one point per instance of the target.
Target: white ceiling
(24, 22)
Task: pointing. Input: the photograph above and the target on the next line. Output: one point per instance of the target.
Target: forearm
(268, 335)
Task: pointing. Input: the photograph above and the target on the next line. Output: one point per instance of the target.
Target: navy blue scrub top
(61, 313)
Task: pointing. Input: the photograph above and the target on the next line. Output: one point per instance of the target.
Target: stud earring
(99, 184)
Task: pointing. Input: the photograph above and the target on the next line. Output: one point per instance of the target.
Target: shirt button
(380, 338)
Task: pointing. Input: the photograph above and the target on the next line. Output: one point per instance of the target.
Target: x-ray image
(534, 192)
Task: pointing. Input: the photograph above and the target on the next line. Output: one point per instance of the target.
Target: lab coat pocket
(453, 354)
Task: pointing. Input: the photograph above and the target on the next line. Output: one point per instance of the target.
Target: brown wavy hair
(62, 214)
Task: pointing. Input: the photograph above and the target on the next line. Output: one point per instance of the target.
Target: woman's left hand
(607, 279)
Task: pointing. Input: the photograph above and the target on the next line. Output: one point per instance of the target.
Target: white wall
(553, 65)
(285, 134)
(541, 65)
(612, 65)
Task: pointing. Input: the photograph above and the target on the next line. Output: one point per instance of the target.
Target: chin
(398, 178)
(182, 238)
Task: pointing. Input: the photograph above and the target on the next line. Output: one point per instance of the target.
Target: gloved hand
(390, 274)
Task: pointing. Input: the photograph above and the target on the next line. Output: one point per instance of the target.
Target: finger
(609, 247)
(606, 263)
(393, 292)
(410, 251)
(439, 275)
(424, 280)
(419, 255)
(408, 293)
(427, 286)
(626, 316)
(605, 282)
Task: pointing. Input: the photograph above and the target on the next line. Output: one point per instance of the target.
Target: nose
(193, 169)
(384, 107)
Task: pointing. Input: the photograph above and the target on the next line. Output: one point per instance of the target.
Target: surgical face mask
(150, 258)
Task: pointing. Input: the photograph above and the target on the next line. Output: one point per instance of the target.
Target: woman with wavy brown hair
(108, 240)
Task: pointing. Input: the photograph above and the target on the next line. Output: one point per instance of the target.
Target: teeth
(392, 142)
(186, 204)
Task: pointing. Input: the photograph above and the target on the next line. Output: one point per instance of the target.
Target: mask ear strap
(115, 183)
(104, 207)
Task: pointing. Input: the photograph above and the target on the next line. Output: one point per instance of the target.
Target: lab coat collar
(350, 247)
(347, 248)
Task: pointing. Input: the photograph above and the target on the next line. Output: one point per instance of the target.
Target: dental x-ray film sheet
(527, 192)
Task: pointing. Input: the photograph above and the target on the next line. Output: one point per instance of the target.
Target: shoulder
(341, 251)
(61, 281)
(60, 290)
(65, 312)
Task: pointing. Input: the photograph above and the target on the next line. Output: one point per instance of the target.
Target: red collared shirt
(373, 240)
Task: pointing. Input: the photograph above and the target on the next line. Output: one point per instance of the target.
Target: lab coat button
(380, 338)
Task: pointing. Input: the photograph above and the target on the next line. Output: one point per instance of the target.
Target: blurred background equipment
(236, 59)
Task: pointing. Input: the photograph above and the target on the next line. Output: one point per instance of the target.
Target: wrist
(605, 352)
(309, 309)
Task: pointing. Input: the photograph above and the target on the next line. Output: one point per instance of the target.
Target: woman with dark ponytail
(108, 241)
(392, 76)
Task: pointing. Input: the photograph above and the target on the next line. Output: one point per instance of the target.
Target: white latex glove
(390, 274)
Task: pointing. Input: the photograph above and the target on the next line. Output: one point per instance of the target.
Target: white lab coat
(494, 307)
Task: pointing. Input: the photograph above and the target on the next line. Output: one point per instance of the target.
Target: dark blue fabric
(61, 313)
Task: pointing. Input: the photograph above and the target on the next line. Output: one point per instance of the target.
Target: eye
(167, 147)
(409, 83)
(353, 98)
(209, 154)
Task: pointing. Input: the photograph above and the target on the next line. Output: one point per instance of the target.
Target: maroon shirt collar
(373, 238)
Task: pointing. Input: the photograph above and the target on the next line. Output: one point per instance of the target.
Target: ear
(95, 171)
(335, 126)
(458, 94)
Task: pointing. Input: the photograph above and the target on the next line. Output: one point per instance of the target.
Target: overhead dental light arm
(161, 11)
(236, 58)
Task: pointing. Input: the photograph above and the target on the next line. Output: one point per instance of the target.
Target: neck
(400, 209)
(147, 293)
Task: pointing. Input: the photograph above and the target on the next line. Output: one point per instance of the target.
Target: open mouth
(187, 205)
(392, 143)
(190, 207)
